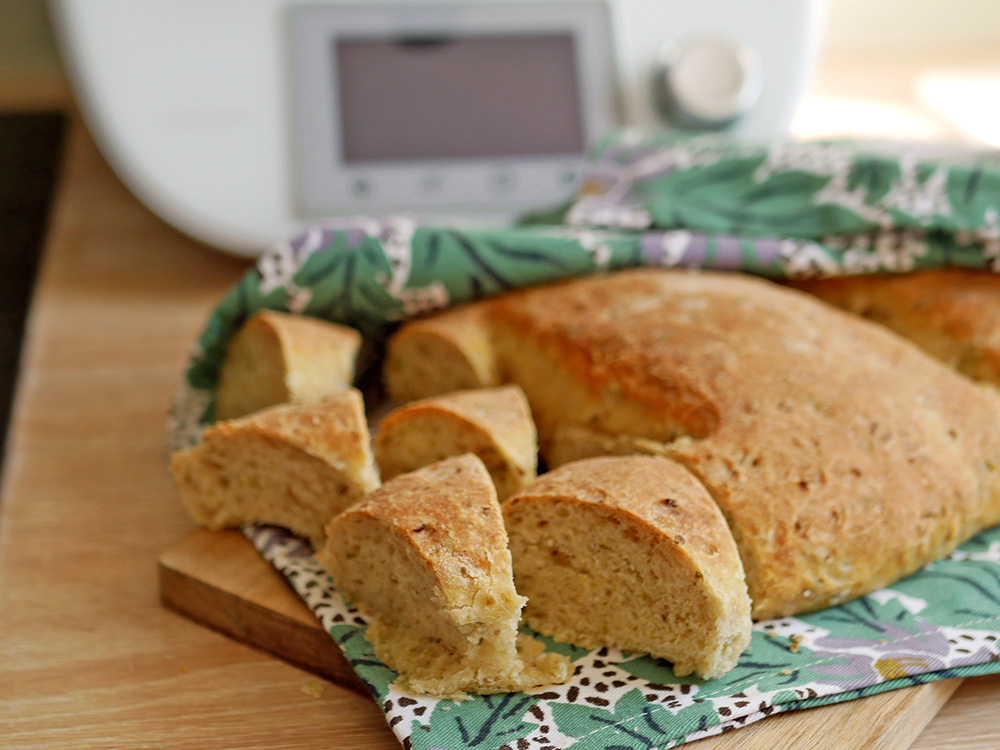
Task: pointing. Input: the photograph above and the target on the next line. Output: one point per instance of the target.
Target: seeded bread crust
(952, 313)
(278, 358)
(426, 557)
(842, 456)
(493, 423)
(292, 465)
(631, 552)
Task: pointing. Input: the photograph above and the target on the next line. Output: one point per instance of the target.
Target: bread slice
(631, 552)
(426, 558)
(819, 434)
(292, 465)
(277, 358)
(493, 423)
(951, 313)
(440, 354)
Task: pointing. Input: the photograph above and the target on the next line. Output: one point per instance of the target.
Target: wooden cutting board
(218, 579)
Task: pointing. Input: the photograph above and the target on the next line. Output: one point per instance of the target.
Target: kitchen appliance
(238, 121)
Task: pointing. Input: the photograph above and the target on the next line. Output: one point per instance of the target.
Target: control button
(568, 177)
(503, 181)
(707, 82)
(431, 183)
(361, 187)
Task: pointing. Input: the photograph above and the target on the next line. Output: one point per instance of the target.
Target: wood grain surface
(89, 657)
(219, 579)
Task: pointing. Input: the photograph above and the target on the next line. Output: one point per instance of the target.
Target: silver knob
(707, 82)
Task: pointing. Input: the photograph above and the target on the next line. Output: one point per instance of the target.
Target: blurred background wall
(911, 28)
(27, 47)
(919, 69)
(873, 29)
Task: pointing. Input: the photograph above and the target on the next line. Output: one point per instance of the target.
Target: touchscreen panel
(441, 97)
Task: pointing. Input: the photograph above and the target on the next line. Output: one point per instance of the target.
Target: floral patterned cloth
(778, 211)
(810, 208)
(941, 622)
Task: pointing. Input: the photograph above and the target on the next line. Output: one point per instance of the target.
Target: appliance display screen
(430, 97)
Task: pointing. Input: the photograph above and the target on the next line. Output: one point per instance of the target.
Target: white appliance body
(202, 106)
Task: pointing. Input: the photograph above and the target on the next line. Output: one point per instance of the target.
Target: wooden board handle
(218, 579)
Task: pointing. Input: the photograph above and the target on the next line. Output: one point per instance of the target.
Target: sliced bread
(493, 423)
(631, 552)
(292, 465)
(426, 558)
(278, 358)
(440, 354)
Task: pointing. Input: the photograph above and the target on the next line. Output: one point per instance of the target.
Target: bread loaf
(277, 358)
(293, 465)
(631, 552)
(426, 557)
(952, 313)
(493, 423)
(841, 456)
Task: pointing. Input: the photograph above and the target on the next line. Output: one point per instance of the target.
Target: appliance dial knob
(707, 82)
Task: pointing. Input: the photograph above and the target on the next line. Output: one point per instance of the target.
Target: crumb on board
(312, 688)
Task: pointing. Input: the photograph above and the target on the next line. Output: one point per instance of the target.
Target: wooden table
(88, 657)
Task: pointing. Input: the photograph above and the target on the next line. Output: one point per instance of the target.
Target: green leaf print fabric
(941, 622)
(781, 210)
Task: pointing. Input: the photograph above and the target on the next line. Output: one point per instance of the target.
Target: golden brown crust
(426, 557)
(952, 313)
(333, 429)
(279, 357)
(820, 435)
(493, 423)
(448, 514)
(633, 358)
(291, 465)
(656, 493)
